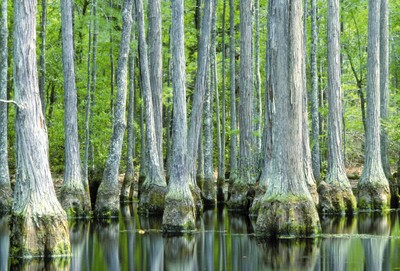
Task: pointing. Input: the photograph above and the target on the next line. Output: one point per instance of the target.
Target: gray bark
(200, 86)
(179, 213)
(107, 202)
(155, 68)
(285, 178)
(221, 162)
(75, 191)
(336, 195)
(373, 187)
(232, 55)
(111, 54)
(39, 224)
(42, 63)
(127, 184)
(257, 81)
(384, 84)
(155, 180)
(5, 187)
(246, 173)
(316, 162)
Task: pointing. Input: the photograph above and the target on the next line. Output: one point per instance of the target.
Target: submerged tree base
(107, 202)
(196, 194)
(180, 212)
(336, 199)
(127, 184)
(287, 216)
(373, 196)
(75, 201)
(5, 199)
(152, 199)
(241, 196)
(37, 235)
(259, 195)
(220, 190)
(394, 193)
(208, 193)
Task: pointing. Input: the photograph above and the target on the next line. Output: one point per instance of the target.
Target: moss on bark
(5, 199)
(152, 199)
(107, 202)
(208, 193)
(336, 199)
(36, 235)
(287, 216)
(75, 201)
(259, 195)
(125, 195)
(373, 196)
(180, 212)
(240, 198)
(196, 194)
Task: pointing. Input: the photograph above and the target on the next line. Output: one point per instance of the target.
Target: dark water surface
(224, 241)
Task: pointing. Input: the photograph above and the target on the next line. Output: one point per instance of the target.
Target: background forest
(97, 37)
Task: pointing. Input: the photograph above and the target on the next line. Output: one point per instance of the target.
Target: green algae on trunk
(336, 199)
(75, 201)
(373, 196)
(152, 199)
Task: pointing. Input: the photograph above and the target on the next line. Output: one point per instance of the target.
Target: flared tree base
(180, 212)
(373, 196)
(75, 201)
(38, 235)
(287, 216)
(196, 194)
(240, 197)
(394, 193)
(152, 199)
(259, 195)
(208, 193)
(5, 199)
(125, 195)
(335, 199)
(107, 202)
(220, 190)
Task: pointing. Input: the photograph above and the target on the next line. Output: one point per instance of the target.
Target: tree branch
(10, 101)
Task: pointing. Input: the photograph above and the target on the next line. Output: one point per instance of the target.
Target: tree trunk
(155, 68)
(5, 187)
(39, 225)
(336, 195)
(179, 213)
(111, 54)
(221, 158)
(42, 63)
(128, 183)
(107, 201)
(232, 55)
(373, 187)
(258, 104)
(154, 188)
(75, 197)
(384, 97)
(286, 182)
(316, 162)
(198, 99)
(247, 167)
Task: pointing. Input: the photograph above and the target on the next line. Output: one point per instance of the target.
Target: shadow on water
(224, 241)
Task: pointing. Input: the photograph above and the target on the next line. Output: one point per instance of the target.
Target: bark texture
(179, 213)
(154, 188)
(39, 225)
(373, 187)
(232, 55)
(107, 202)
(155, 68)
(315, 152)
(5, 187)
(336, 194)
(42, 63)
(247, 166)
(287, 208)
(74, 197)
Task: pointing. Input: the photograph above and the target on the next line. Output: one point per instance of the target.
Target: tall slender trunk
(111, 54)
(247, 167)
(373, 187)
(127, 184)
(154, 187)
(93, 85)
(107, 201)
(257, 81)
(336, 195)
(179, 211)
(39, 225)
(155, 69)
(75, 197)
(316, 161)
(42, 63)
(232, 55)
(5, 187)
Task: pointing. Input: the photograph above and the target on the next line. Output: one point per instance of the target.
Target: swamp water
(224, 241)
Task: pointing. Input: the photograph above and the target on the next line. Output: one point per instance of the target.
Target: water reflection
(224, 241)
